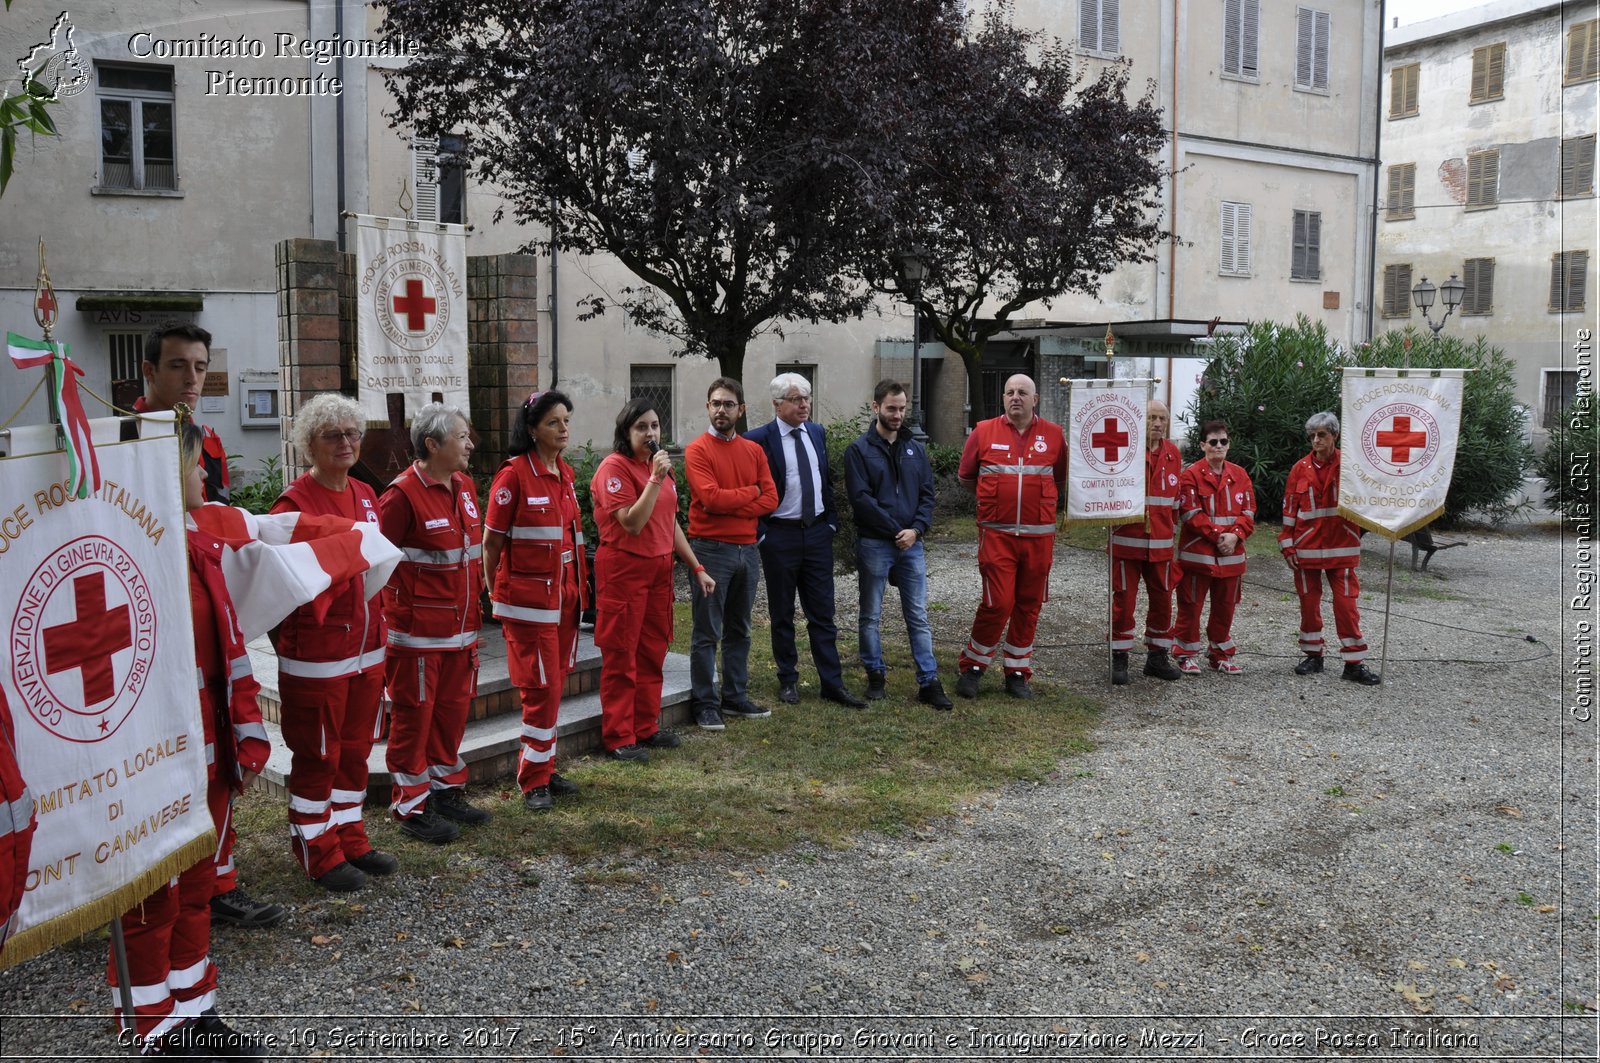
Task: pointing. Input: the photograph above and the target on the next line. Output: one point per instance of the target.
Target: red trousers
(329, 726)
(168, 938)
(1158, 578)
(430, 695)
(539, 657)
(1016, 583)
(1346, 611)
(633, 628)
(1193, 590)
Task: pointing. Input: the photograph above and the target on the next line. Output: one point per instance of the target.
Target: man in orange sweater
(730, 488)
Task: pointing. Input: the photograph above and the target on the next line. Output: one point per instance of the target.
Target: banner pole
(1388, 599)
(119, 955)
(1111, 632)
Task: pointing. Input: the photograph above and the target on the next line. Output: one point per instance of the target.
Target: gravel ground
(1264, 865)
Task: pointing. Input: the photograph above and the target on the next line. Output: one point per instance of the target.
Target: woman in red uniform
(636, 509)
(168, 934)
(533, 563)
(1217, 505)
(330, 670)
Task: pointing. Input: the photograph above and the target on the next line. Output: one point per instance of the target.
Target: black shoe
(789, 693)
(208, 1035)
(1309, 666)
(238, 908)
(967, 685)
(1119, 668)
(561, 786)
(452, 803)
(429, 826)
(538, 799)
(1360, 673)
(841, 696)
(1158, 665)
(748, 709)
(662, 740)
(1017, 686)
(345, 877)
(632, 752)
(877, 686)
(933, 694)
(709, 720)
(376, 863)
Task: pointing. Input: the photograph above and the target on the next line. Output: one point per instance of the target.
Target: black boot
(1159, 665)
(1119, 668)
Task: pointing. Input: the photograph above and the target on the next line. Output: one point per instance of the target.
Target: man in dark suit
(797, 540)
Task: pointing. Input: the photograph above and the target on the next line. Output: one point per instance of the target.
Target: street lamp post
(1423, 295)
(913, 268)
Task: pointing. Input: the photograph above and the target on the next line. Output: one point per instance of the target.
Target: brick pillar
(312, 342)
(502, 348)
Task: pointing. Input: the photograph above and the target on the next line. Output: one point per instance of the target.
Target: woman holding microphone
(636, 510)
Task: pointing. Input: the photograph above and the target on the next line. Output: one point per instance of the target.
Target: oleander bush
(1568, 462)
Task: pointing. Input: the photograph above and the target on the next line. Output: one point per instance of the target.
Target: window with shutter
(1305, 262)
(1235, 225)
(1568, 279)
(1402, 199)
(1403, 90)
(1577, 167)
(1099, 26)
(1483, 180)
(1583, 52)
(425, 178)
(1311, 49)
(1560, 390)
(1478, 275)
(1241, 32)
(1488, 73)
(1397, 290)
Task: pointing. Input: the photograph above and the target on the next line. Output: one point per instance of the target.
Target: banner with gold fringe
(1398, 447)
(1106, 440)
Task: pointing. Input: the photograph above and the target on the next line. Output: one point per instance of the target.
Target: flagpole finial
(45, 307)
(1111, 341)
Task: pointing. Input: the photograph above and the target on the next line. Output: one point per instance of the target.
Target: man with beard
(890, 482)
(1144, 553)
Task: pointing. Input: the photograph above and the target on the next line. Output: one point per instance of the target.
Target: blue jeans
(722, 617)
(875, 559)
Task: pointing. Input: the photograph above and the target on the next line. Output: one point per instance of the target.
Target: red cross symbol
(415, 305)
(46, 305)
(90, 641)
(1109, 439)
(1401, 440)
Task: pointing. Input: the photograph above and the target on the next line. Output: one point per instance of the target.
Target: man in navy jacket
(890, 483)
(797, 540)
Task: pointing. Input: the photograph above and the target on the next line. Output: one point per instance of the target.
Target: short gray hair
(1325, 419)
(783, 382)
(433, 422)
(323, 411)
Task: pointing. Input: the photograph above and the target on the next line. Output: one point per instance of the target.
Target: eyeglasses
(335, 438)
(1217, 442)
(720, 404)
(797, 399)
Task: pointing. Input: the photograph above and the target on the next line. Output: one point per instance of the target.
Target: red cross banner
(1105, 437)
(99, 675)
(411, 321)
(1398, 446)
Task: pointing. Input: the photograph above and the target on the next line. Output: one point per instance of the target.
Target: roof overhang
(176, 302)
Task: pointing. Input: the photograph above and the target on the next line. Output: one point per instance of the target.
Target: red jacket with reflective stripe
(350, 637)
(1211, 504)
(1020, 475)
(236, 741)
(431, 602)
(1153, 540)
(17, 824)
(1314, 534)
(537, 511)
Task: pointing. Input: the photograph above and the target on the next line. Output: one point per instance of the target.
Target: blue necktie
(808, 506)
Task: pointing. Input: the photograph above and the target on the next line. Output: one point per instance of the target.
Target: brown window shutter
(1577, 166)
(1478, 275)
(1483, 179)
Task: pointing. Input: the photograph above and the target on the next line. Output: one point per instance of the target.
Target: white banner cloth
(411, 320)
(1105, 437)
(1398, 446)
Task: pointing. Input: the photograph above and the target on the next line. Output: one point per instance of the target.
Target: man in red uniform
(1017, 464)
(430, 512)
(17, 824)
(1145, 552)
(1217, 504)
(1314, 540)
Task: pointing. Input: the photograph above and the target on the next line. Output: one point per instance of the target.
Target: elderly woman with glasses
(1217, 505)
(330, 666)
(534, 566)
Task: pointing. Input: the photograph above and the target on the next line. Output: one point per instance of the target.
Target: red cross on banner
(1110, 439)
(89, 642)
(1402, 439)
(416, 305)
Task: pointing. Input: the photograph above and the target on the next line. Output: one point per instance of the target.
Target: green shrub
(1266, 381)
(841, 434)
(256, 495)
(1568, 463)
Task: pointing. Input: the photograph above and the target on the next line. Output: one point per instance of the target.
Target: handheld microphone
(652, 446)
